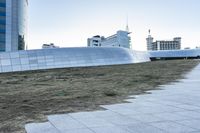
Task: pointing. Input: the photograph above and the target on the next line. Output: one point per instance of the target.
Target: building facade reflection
(13, 23)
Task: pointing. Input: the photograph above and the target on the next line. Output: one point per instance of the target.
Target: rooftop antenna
(128, 31)
(149, 32)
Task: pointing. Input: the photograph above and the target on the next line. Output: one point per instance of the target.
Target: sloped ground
(28, 96)
(173, 109)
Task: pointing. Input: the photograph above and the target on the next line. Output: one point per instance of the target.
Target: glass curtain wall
(19, 22)
(13, 22)
(2, 25)
(22, 23)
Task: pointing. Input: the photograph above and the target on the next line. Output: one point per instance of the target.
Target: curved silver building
(13, 19)
(68, 57)
(175, 54)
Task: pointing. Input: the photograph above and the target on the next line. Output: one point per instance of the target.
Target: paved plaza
(175, 108)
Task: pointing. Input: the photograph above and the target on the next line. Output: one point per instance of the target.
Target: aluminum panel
(69, 57)
(175, 53)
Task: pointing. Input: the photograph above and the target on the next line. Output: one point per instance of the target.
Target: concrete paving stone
(40, 128)
(132, 105)
(82, 115)
(94, 122)
(139, 104)
(83, 130)
(120, 106)
(164, 102)
(187, 107)
(193, 103)
(198, 111)
(146, 118)
(170, 117)
(163, 96)
(122, 120)
(121, 110)
(105, 114)
(110, 129)
(142, 128)
(158, 109)
(127, 112)
(173, 97)
(65, 122)
(148, 97)
(189, 114)
(171, 109)
(191, 95)
(112, 107)
(181, 100)
(191, 123)
(131, 108)
(172, 127)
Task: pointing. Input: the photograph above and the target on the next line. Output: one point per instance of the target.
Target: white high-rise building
(95, 41)
(149, 42)
(174, 44)
(120, 39)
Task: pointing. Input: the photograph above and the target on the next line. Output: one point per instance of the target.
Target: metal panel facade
(175, 53)
(68, 57)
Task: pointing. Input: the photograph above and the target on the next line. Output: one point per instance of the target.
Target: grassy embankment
(29, 96)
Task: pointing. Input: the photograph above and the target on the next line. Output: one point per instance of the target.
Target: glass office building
(13, 19)
(2, 24)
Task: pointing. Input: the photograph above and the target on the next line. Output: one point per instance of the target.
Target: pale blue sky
(68, 23)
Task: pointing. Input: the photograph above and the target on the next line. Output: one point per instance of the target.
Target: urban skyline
(69, 23)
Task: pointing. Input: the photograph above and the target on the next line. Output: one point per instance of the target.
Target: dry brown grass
(29, 96)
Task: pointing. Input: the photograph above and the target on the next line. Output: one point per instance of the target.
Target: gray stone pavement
(173, 109)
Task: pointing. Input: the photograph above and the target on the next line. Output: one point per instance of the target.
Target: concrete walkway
(174, 109)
